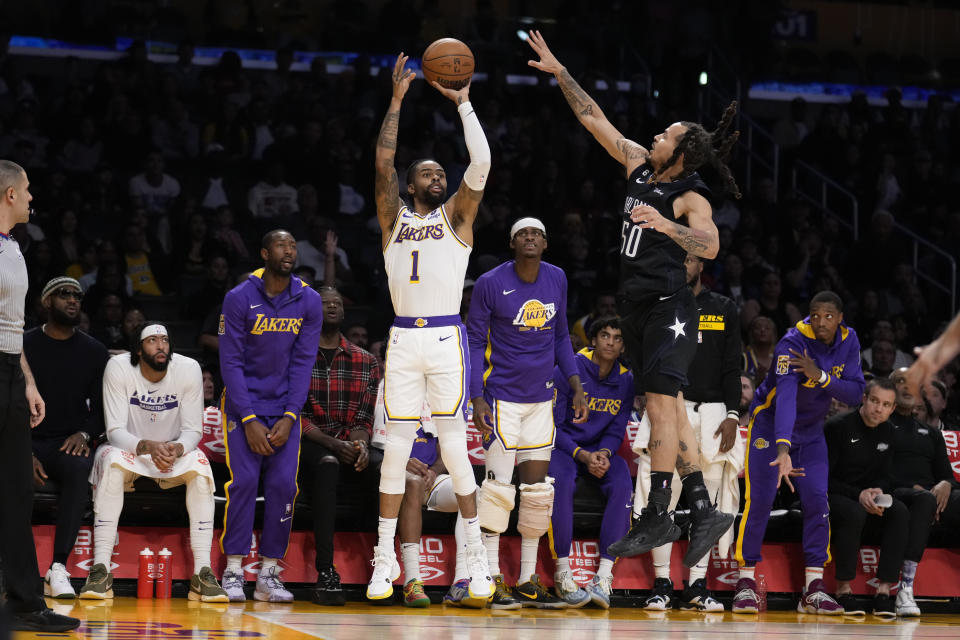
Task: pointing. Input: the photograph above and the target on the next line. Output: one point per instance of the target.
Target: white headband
(523, 223)
(153, 330)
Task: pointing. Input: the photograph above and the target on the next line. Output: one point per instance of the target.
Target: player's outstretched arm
(386, 186)
(464, 204)
(934, 357)
(626, 152)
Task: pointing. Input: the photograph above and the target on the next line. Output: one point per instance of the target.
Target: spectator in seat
(68, 367)
(883, 354)
(358, 335)
(231, 244)
(920, 470)
(320, 251)
(935, 397)
(771, 303)
(271, 200)
(883, 330)
(860, 449)
(140, 267)
(156, 192)
(337, 424)
(747, 389)
(761, 342)
(604, 304)
(215, 287)
(197, 248)
(108, 323)
(153, 406)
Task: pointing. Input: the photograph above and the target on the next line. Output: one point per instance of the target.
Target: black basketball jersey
(651, 263)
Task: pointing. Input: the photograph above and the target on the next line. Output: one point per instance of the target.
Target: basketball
(448, 62)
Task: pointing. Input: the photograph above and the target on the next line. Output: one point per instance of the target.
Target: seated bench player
(588, 449)
(153, 405)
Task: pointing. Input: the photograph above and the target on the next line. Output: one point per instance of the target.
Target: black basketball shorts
(660, 339)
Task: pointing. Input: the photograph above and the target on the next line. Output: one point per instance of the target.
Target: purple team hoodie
(268, 347)
(797, 405)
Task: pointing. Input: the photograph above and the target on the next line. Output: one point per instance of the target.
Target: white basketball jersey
(426, 264)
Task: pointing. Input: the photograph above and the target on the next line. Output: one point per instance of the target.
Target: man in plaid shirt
(337, 423)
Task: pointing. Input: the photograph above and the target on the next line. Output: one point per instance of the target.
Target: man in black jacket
(920, 470)
(68, 367)
(860, 453)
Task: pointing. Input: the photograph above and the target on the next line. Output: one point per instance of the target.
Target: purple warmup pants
(761, 482)
(617, 488)
(279, 491)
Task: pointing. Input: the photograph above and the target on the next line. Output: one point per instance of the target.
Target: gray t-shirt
(13, 291)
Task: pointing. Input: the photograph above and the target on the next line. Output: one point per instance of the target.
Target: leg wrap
(494, 504)
(393, 469)
(536, 507)
(452, 437)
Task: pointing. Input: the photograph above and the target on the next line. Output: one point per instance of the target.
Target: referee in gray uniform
(21, 408)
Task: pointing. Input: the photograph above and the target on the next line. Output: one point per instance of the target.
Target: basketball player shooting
(426, 244)
(666, 215)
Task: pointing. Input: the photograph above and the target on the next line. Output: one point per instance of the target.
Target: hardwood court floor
(132, 619)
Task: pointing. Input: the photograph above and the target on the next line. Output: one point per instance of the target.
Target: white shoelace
(567, 585)
(819, 596)
(748, 593)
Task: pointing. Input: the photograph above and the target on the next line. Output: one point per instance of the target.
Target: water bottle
(164, 574)
(145, 576)
(761, 592)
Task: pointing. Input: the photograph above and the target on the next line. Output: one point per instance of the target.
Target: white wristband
(733, 414)
(823, 376)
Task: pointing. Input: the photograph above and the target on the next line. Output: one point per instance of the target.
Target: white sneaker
(600, 589)
(481, 584)
(385, 571)
(569, 591)
(906, 605)
(56, 584)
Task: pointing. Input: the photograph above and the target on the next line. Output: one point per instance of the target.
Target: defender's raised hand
(548, 62)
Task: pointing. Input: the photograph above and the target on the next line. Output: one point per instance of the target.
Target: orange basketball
(449, 62)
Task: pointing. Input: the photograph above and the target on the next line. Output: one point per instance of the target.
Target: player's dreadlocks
(700, 147)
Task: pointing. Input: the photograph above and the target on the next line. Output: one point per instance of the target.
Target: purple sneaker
(817, 600)
(746, 599)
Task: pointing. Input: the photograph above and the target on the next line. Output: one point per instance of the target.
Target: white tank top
(426, 263)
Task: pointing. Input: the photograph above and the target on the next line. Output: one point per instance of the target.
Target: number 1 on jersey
(414, 272)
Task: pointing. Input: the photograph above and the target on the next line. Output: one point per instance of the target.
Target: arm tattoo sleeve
(388, 132)
(692, 240)
(582, 104)
(385, 187)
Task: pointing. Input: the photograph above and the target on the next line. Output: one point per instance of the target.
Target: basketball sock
(471, 531)
(528, 558)
(563, 564)
(748, 572)
(266, 564)
(606, 568)
(200, 507)
(659, 497)
(697, 495)
(699, 570)
(410, 552)
(106, 516)
(460, 572)
(661, 560)
(386, 531)
(235, 564)
(907, 573)
(811, 574)
(492, 542)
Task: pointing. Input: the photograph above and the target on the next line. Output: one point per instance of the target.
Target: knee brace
(452, 437)
(494, 504)
(396, 452)
(200, 484)
(536, 507)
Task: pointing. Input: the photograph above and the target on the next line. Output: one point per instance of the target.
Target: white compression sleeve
(475, 176)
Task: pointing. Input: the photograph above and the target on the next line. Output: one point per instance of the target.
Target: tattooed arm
(386, 188)
(700, 237)
(626, 152)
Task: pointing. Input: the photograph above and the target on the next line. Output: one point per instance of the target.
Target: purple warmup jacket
(268, 347)
(797, 405)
